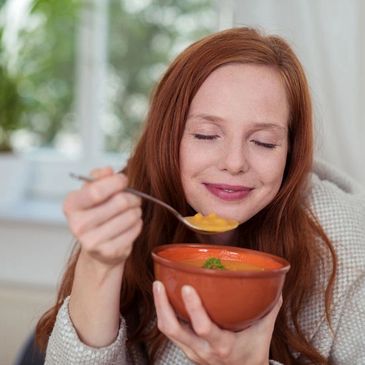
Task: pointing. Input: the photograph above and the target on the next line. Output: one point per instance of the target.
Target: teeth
(228, 190)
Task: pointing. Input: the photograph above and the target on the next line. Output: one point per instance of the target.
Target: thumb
(268, 321)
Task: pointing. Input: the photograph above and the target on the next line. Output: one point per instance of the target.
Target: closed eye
(209, 137)
(265, 145)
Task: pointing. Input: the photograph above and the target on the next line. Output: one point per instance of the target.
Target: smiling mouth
(228, 192)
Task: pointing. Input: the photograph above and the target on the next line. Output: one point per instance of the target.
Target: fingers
(82, 221)
(207, 343)
(166, 318)
(97, 192)
(218, 339)
(111, 228)
(196, 348)
(101, 172)
(200, 320)
(105, 219)
(116, 250)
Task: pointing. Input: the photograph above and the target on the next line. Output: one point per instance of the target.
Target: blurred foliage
(11, 103)
(36, 82)
(143, 38)
(39, 94)
(46, 61)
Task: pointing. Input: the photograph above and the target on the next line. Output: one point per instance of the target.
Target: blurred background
(75, 81)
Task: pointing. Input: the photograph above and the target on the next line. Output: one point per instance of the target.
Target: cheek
(187, 172)
(186, 157)
(188, 160)
(194, 158)
(272, 171)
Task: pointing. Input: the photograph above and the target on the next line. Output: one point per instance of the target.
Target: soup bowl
(235, 296)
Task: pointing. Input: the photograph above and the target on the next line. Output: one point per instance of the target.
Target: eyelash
(265, 145)
(213, 137)
(205, 137)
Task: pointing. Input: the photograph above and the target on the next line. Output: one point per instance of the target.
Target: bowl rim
(199, 270)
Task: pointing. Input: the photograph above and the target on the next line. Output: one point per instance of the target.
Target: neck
(226, 238)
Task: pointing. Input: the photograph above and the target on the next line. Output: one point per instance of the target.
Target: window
(39, 53)
(84, 73)
(144, 36)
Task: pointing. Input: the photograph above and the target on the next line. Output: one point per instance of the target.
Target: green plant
(38, 92)
(46, 61)
(11, 103)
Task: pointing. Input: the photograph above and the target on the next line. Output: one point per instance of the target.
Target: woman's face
(234, 147)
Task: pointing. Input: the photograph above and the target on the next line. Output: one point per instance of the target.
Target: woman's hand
(106, 221)
(103, 218)
(205, 343)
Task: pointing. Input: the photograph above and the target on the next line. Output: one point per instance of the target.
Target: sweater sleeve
(65, 347)
(349, 341)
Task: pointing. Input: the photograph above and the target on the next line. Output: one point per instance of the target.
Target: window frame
(48, 170)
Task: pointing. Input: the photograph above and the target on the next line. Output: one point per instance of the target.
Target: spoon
(186, 220)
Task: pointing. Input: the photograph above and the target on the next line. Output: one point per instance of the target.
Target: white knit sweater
(339, 204)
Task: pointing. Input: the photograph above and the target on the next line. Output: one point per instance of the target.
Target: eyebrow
(255, 125)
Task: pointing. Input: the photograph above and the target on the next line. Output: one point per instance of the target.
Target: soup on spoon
(212, 223)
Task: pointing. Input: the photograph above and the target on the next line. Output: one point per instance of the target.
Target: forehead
(249, 91)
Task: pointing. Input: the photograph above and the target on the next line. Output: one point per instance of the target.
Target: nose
(234, 158)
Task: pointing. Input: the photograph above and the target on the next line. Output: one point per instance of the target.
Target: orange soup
(212, 222)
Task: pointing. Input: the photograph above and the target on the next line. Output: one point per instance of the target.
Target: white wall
(32, 258)
(328, 36)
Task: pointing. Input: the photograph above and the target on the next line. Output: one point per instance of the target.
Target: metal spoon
(160, 202)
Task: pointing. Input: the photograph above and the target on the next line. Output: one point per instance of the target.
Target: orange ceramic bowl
(233, 299)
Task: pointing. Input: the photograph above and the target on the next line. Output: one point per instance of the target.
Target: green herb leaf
(214, 264)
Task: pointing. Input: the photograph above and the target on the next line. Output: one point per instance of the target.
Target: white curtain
(328, 36)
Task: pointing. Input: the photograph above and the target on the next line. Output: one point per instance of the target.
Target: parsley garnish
(214, 264)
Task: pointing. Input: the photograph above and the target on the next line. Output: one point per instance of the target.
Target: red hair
(285, 227)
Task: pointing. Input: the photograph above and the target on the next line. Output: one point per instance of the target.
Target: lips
(228, 192)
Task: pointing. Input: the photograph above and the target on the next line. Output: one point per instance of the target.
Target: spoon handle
(135, 192)
(153, 199)
(81, 177)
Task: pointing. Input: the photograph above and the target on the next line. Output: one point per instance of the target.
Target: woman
(230, 131)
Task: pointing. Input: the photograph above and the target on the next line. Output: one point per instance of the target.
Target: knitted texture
(64, 346)
(339, 205)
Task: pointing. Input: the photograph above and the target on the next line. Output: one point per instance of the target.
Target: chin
(226, 213)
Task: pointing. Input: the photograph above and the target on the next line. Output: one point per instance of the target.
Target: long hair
(285, 227)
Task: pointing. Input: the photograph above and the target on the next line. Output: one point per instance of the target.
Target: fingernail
(186, 290)
(157, 286)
